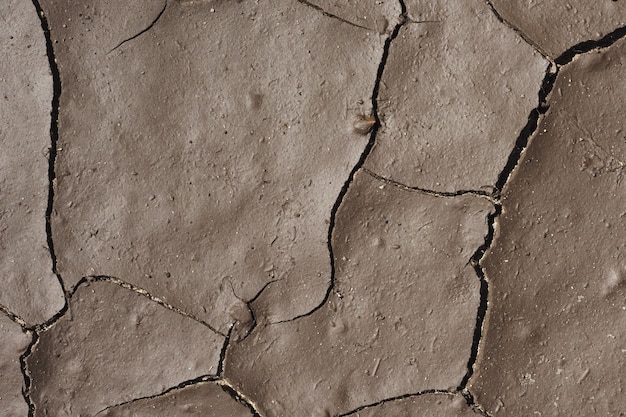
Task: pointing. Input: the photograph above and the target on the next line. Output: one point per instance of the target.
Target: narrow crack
(360, 162)
(517, 30)
(327, 14)
(396, 398)
(184, 384)
(106, 278)
(147, 28)
(434, 193)
(239, 397)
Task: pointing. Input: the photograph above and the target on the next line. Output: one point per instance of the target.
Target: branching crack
(327, 14)
(200, 379)
(147, 28)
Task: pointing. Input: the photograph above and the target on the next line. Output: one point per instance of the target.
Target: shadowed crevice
(54, 137)
(588, 46)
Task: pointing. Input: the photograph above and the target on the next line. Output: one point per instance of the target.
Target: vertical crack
(368, 148)
(513, 161)
(54, 137)
(27, 380)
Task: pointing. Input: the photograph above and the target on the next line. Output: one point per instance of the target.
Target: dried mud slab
(400, 317)
(440, 405)
(201, 159)
(13, 343)
(206, 399)
(556, 325)
(380, 16)
(555, 27)
(29, 287)
(112, 346)
(456, 92)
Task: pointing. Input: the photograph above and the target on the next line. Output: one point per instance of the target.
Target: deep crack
(54, 137)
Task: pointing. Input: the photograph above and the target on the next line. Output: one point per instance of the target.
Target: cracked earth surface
(314, 209)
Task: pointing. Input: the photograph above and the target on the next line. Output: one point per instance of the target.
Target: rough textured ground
(362, 208)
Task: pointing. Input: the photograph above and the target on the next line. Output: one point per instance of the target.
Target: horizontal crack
(190, 382)
(590, 45)
(141, 291)
(435, 193)
(396, 398)
(327, 14)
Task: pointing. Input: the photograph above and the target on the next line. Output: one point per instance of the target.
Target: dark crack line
(240, 398)
(360, 162)
(54, 138)
(184, 384)
(528, 130)
(325, 13)
(434, 193)
(403, 397)
(156, 19)
(27, 380)
(517, 30)
(513, 162)
(13, 317)
(106, 278)
(220, 363)
(588, 46)
(484, 300)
